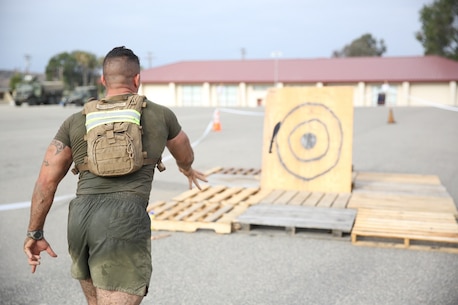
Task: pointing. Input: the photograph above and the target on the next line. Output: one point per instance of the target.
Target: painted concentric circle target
(309, 141)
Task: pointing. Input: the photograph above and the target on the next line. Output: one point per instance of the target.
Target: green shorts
(109, 241)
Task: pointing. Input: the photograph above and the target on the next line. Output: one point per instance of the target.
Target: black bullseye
(309, 142)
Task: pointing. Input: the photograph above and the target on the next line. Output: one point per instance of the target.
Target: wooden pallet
(403, 210)
(212, 208)
(400, 192)
(233, 171)
(304, 198)
(234, 177)
(292, 217)
(406, 229)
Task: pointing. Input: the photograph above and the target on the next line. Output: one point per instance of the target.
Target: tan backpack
(114, 138)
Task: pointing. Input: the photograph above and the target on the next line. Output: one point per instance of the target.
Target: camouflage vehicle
(80, 95)
(36, 92)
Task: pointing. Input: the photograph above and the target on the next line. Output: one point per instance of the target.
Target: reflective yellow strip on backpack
(98, 118)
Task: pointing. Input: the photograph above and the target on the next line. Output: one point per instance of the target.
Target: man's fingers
(201, 176)
(28, 253)
(34, 261)
(194, 177)
(197, 184)
(51, 252)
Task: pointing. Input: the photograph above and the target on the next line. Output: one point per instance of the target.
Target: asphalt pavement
(262, 267)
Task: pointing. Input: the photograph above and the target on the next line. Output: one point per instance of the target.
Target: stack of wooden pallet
(225, 208)
(403, 210)
(390, 210)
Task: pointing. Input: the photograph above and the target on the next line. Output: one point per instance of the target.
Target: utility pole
(275, 55)
(150, 59)
(243, 53)
(27, 63)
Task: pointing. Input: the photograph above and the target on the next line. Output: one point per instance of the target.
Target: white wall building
(413, 81)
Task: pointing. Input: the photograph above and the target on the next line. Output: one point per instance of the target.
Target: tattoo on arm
(59, 145)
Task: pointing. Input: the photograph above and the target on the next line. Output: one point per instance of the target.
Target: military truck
(36, 92)
(80, 95)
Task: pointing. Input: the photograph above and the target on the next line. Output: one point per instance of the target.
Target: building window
(227, 95)
(192, 95)
(261, 87)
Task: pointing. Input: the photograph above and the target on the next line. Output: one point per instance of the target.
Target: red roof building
(412, 80)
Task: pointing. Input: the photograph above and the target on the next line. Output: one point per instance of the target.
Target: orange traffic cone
(391, 117)
(216, 121)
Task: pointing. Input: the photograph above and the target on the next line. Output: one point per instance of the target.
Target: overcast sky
(180, 30)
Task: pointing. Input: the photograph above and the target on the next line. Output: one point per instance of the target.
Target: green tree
(61, 67)
(86, 65)
(77, 68)
(14, 80)
(366, 45)
(439, 32)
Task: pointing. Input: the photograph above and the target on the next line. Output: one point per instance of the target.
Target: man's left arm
(181, 150)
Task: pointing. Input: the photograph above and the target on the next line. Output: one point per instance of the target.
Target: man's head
(121, 68)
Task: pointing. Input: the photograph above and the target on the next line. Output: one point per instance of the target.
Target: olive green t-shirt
(159, 125)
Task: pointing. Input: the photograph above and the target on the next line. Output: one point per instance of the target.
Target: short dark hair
(122, 52)
(121, 61)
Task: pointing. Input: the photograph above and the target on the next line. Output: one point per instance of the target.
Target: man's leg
(89, 291)
(96, 296)
(105, 297)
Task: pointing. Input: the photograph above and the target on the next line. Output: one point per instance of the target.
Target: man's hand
(33, 248)
(193, 177)
(181, 150)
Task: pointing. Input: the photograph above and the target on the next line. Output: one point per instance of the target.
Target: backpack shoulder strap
(137, 102)
(89, 106)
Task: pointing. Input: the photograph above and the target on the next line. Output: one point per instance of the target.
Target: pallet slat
(401, 188)
(398, 178)
(313, 199)
(300, 198)
(272, 196)
(327, 200)
(225, 194)
(190, 193)
(396, 202)
(243, 196)
(342, 200)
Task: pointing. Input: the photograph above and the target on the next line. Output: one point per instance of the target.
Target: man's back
(159, 124)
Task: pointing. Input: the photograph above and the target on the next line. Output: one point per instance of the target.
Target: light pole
(150, 59)
(27, 63)
(276, 55)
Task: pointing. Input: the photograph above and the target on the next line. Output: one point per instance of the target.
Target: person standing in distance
(109, 235)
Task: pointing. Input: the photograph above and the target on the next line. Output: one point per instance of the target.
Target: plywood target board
(307, 141)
